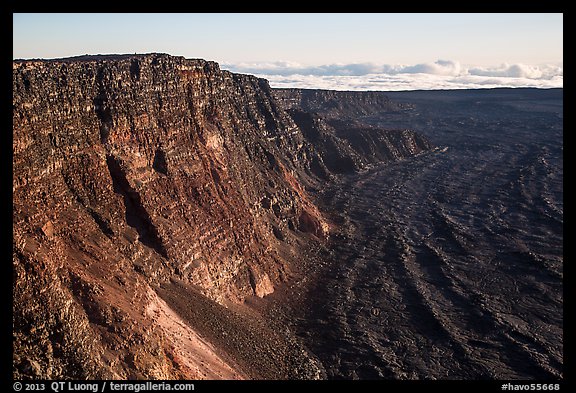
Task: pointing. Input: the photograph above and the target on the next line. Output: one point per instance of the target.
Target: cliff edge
(149, 187)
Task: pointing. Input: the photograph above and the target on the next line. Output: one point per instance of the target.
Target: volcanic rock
(132, 171)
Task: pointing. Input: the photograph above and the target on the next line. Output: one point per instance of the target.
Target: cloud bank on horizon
(442, 74)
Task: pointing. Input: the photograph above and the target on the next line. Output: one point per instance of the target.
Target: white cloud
(289, 68)
(440, 67)
(519, 71)
(442, 74)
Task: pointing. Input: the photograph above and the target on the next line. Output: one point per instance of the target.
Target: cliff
(337, 104)
(147, 187)
(331, 121)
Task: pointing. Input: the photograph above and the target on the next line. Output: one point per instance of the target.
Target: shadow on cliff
(136, 215)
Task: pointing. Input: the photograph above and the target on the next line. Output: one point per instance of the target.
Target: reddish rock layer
(135, 172)
(126, 173)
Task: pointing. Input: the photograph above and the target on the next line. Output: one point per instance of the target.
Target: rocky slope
(147, 185)
(337, 104)
(329, 120)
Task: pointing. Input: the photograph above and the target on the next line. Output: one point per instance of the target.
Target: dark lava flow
(449, 264)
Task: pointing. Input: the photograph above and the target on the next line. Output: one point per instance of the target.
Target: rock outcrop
(132, 172)
(337, 104)
(329, 121)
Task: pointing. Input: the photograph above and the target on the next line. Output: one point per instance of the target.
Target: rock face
(329, 121)
(346, 146)
(132, 171)
(337, 104)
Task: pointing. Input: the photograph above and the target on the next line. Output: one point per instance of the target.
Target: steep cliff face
(131, 171)
(329, 121)
(347, 146)
(134, 173)
(337, 104)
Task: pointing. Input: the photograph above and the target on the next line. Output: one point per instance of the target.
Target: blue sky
(244, 42)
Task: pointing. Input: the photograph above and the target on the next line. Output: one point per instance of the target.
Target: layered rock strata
(133, 173)
(337, 104)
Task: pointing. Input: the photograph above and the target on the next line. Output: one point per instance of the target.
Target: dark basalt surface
(448, 265)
